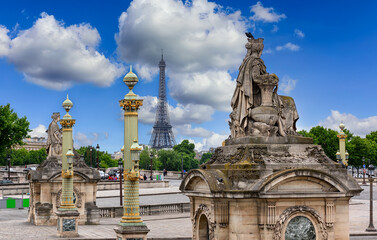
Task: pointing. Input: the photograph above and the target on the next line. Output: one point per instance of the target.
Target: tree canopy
(12, 129)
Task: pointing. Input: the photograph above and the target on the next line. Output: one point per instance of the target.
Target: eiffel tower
(162, 135)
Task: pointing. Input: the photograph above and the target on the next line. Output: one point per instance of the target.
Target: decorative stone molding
(222, 213)
(271, 212)
(203, 209)
(304, 210)
(78, 202)
(330, 213)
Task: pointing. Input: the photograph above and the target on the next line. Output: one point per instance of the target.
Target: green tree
(185, 151)
(90, 156)
(372, 136)
(169, 160)
(205, 157)
(105, 160)
(325, 137)
(12, 130)
(22, 157)
(361, 147)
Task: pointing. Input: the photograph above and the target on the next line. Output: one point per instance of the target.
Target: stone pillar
(131, 226)
(67, 213)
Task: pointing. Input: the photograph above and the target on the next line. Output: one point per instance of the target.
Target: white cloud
(275, 29)
(215, 140)
(145, 72)
(299, 33)
(198, 56)
(213, 88)
(179, 115)
(287, 84)
(289, 46)
(358, 126)
(82, 139)
(187, 130)
(39, 131)
(268, 51)
(55, 56)
(4, 41)
(210, 38)
(265, 14)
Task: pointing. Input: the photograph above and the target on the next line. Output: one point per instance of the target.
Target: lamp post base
(371, 229)
(126, 231)
(67, 223)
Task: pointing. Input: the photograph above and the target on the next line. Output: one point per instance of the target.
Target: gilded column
(131, 224)
(67, 213)
(67, 174)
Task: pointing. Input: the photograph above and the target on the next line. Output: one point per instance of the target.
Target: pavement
(13, 223)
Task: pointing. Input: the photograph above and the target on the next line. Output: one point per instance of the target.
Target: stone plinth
(67, 223)
(260, 187)
(46, 188)
(127, 231)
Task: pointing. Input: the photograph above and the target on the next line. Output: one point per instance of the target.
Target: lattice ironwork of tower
(162, 135)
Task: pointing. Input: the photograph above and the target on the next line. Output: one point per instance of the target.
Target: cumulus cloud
(179, 115)
(56, 56)
(215, 140)
(145, 72)
(265, 14)
(299, 33)
(39, 131)
(288, 46)
(210, 44)
(4, 41)
(358, 126)
(82, 139)
(187, 130)
(213, 88)
(287, 84)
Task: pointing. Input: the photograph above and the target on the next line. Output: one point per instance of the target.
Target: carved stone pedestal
(137, 231)
(67, 223)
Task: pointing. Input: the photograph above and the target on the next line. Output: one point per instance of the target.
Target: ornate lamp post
(370, 178)
(9, 162)
(120, 167)
(364, 183)
(182, 167)
(97, 150)
(151, 165)
(67, 213)
(131, 226)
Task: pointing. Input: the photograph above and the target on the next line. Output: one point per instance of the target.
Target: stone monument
(267, 182)
(46, 183)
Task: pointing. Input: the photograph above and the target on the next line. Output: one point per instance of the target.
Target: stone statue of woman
(257, 108)
(54, 137)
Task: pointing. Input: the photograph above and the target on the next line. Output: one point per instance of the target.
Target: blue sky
(323, 53)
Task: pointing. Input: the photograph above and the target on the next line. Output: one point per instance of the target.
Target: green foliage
(105, 160)
(12, 129)
(90, 157)
(186, 151)
(325, 137)
(169, 160)
(205, 157)
(361, 147)
(22, 157)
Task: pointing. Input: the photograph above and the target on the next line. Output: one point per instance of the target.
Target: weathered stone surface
(266, 182)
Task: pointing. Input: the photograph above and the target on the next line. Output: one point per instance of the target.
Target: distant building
(34, 143)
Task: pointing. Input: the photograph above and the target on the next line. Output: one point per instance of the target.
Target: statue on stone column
(54, 137)
(257, 108)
